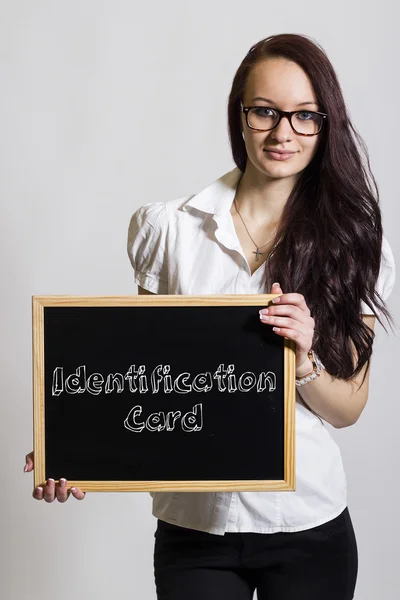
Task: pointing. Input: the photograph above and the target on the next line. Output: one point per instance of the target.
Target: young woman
(297, 209)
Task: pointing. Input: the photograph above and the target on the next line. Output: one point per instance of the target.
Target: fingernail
(275, 300)
(25, 468)
(73, 490)
(40, 489)
(276, 283)
(50, 481)
(62, 482)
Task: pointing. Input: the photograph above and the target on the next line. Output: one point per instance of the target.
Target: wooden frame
(39, 303)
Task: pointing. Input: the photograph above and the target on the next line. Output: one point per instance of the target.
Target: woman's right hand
(51, 491)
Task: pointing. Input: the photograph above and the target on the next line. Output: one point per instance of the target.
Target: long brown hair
(328, 243)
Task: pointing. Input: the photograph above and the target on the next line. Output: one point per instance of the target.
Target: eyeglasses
(303, 122)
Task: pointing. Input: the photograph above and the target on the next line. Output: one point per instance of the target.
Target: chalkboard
(162, 392)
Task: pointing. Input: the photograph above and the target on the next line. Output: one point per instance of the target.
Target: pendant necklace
(257, 252)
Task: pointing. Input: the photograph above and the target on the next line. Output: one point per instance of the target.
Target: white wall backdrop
(78, 156)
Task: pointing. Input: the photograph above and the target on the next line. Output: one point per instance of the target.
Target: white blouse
(189, 246)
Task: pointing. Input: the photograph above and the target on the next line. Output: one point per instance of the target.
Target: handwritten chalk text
(135, 380)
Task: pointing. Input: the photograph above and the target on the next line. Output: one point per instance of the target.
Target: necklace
(257, 252)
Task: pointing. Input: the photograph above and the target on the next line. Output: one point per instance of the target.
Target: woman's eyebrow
(272, 102)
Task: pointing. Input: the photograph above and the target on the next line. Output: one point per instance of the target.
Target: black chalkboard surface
(147, 393)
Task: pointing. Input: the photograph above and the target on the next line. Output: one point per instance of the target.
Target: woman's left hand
(292, 316)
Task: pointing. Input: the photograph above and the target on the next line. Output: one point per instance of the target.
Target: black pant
(320, 563)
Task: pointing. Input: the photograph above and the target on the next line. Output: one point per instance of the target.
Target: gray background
(79, 153)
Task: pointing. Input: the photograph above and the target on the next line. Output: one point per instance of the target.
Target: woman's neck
(261, 199)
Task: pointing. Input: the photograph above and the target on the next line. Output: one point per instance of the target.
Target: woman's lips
(279, 155)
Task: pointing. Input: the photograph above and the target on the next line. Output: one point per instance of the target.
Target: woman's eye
(265, 112)
(305, 115)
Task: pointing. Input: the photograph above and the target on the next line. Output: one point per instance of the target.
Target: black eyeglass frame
(284, 113)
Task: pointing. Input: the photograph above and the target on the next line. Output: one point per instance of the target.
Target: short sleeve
(146, 247)
(386, 278)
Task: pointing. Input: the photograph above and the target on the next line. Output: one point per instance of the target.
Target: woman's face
(285, 86)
